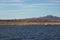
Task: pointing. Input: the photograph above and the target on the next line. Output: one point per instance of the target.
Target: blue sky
(18, 9)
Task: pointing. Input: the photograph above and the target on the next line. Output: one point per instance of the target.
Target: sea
(30, 32)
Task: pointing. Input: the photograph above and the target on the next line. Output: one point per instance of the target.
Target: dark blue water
(32, 32)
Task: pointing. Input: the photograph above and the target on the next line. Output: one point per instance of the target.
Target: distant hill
(44, 19)
(39, 19)
(50, 17)
(52, 20)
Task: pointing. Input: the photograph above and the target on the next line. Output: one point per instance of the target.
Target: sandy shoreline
(29, 23)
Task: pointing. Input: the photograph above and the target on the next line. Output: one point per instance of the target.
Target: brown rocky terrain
(51, 20)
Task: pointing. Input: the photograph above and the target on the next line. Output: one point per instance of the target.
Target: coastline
(47, 20)
(29, 23)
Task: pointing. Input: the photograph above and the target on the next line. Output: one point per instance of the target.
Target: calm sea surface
(32, 32)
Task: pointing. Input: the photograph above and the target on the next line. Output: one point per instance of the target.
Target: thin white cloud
(28, 5)
(11, 14)
(11, 4)
(11, 0)
(46, 4)
(12, 11)
(19, 6)
(55, 1)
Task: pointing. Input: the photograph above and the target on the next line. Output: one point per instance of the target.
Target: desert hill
(32, 21)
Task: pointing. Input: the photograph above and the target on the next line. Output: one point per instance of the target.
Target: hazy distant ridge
(45, 18)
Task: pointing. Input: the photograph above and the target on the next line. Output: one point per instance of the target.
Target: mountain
(52, 20)
(50, 17)
(44, 19)
(39, 19)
